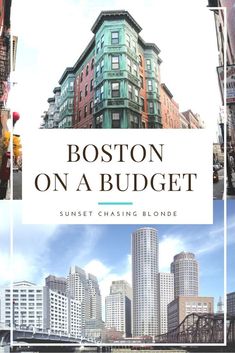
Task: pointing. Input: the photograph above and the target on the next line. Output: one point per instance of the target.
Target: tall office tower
(77, 288)
(144, 281)
(56, 284)
(185, 269)
(94, 298)
(165, 296)
(118, 307)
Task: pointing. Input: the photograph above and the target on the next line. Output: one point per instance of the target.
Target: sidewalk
(231, 197)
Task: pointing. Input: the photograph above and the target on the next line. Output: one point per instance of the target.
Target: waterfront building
(75, 322)
(182, 306)
(118, 308)
(56, 284)
(38, 307)
(231, 303)
(165, 296)
(169, 109)
(58, 310)
(29, 309)
(186, 274)
(145, 259)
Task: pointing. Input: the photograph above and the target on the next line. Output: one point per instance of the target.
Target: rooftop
(115, 15)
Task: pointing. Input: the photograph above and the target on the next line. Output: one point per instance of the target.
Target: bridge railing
(196, 328)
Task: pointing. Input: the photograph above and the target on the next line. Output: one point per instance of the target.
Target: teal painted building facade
(115, 83)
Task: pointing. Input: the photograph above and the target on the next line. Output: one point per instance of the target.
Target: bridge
(194, 329)
(34, 337)
(201, 328)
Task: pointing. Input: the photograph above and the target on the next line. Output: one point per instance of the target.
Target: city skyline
(33, 65)
(97, 249)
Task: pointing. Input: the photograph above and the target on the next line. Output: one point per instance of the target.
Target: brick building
(169, 109)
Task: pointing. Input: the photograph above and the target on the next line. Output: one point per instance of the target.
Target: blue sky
(104, 250)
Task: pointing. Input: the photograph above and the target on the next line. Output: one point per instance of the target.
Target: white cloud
(169, 246)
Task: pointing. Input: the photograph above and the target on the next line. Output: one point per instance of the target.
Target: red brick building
(169, 109)
(193, 119)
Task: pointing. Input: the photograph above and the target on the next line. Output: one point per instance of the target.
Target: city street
(17, 185)
(218, 188)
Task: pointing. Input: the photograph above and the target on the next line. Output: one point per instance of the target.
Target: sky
(105, 250)
(52, 34)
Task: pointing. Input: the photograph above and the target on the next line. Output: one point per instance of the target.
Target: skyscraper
(56, 284)
(94, 298)
(185, 268)
(118, 307)
(85, 289)
(144, 281)
(165, 296)
(77, 288)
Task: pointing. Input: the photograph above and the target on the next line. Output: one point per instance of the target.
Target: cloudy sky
(53, 33)
(104, 250)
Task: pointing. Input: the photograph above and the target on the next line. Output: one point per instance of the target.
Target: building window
(85, 111)
(136, 95)
(102, 92)
(115, 38)
(99, 121)
(141, 82)
(135, 69)
(80, 96)
(102, 66)
(134, 45)
(128, 41)
(140, 60)
(86, 90)
(91, 107)
(97, 70)
(92, 63)
(150, 85)
(79, 115)
(142, 104)
(98, 47)
(134, 121)
(116, 120)
(128, 64)
(148, 64)
(115, 62)
(91, 84)
(81, 77)
(151, 109)
(102, 41)
(130, 95)
(115, 89)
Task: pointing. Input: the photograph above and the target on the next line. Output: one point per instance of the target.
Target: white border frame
(12, 344)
